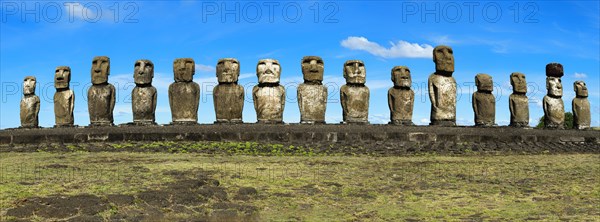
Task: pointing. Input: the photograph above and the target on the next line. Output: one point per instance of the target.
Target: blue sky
(496, 38)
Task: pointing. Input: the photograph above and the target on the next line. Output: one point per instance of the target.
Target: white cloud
(424, 121)
(401, 49)
(204, 68)
(443, 40)
(580, 75)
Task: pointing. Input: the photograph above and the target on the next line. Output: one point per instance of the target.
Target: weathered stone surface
(228, 96)
(144, 94)
(184, 94)
(518, 102)
(30, 104)
(554, 70)
(312, 95)
(442, 88)
(401, 97)
(484, 102)
(582, 117)
(101, 95)
(268, 95)
(554, 108)
(64, 98)
(354, 95)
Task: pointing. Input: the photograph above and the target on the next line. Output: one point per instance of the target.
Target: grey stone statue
(101, 95)
(484, 102)
(143, 95)
(268, 95)
(354, 95)
(401, 97)
(442, 88)
(582, 117)
(64, 98)
(312, 95)
(184, 94)
(554, 108)
(30, 104)
(228, 96)
(518, 103)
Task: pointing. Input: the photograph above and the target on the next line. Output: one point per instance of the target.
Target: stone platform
(377, 138)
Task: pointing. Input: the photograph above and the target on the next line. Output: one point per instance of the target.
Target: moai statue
(442, 88)
(401, 97)
(143, 95)
(64, 98)
(228, 96)
(484, 102)
(582, 117)
(312, 95)
(354, 95)
(101, 95)
(518, 102)
(30, 104)
(268, 95)
(184, 94)
(554, 108)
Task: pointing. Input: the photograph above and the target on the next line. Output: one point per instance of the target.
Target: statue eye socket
(262, 64)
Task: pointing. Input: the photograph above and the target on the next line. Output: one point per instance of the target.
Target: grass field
(123, 186)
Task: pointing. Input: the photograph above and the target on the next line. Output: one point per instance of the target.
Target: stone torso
(269, 103)
(355, 103)
(229, 102)
(554, 110)
(143, 103)
(312, 101)
(519, 110)
(63, 107)
(184, 98)
(485, 108)
(101, 103)
(581, 113)
(442, 93)
(30, 106)
(401, 103)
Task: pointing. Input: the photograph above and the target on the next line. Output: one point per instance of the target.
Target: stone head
(580, 89)
(554, 86)
(143, 71)
(518, 82)
(100, 69)
(443, 57)
(268, 71)
(228, 70)
(401, 76)
(312, 68)
(484, 82)
(29, 85)
(554, 70)
(62, 77)
(355, 72)
(184, 69)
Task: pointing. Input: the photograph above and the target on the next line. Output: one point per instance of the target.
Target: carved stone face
(401, 76)
(484, 82)
(268, 71)
(580, 89)
(100, 69)
(228, 70)
(184, 69)
(312, 68)
(355, 72)
(554, 70)
(62, 77)
(518, 83)
(29, 85)
(443, 56)
(554, 86)
(143, 71)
